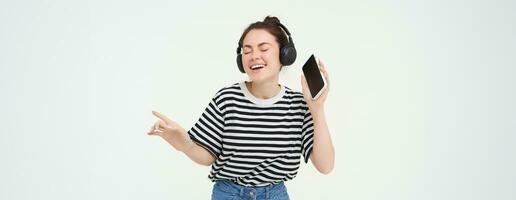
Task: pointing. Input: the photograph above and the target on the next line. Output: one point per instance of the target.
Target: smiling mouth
(257, 67)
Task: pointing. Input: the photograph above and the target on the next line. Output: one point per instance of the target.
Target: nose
(255, 55)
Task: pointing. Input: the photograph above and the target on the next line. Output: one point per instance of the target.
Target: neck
(263, 90)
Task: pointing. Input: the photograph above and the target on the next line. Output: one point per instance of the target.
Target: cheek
(272, 56)
(245, 59)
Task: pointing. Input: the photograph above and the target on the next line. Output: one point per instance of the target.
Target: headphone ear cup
(239, 63)
(288, 54)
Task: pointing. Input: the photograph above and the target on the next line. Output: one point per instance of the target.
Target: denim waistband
(250, 192)
(243, 186)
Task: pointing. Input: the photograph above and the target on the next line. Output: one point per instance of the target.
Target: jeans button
(251, 193)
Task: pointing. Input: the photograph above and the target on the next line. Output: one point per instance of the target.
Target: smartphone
(314, 78)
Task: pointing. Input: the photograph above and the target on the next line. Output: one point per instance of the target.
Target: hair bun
(271, 20)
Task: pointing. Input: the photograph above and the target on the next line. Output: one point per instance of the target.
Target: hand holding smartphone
(314, 78)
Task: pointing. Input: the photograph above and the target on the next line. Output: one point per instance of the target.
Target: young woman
(254, 133)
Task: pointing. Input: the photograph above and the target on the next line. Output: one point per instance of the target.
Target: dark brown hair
(271, 25)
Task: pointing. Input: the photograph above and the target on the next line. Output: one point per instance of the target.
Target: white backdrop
(421, 104)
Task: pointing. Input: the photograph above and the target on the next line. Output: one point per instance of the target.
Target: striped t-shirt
(256, 142)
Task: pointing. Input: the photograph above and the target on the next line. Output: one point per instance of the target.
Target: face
(260, 56)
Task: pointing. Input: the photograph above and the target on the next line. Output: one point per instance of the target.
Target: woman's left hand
(318, 104)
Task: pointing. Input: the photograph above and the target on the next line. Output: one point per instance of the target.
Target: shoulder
(294, 96)
(229, 89)
(293, 93)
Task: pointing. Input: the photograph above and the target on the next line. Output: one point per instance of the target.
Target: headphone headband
(282, 27)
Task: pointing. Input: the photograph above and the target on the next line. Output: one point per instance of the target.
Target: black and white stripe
(256, 143)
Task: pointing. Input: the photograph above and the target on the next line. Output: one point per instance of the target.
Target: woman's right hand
(172, 132)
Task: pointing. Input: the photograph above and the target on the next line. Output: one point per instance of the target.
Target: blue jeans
(227, 190)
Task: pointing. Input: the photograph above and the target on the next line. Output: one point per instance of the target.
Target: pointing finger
(162, 117)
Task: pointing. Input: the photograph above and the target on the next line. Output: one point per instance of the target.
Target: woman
(254, 133)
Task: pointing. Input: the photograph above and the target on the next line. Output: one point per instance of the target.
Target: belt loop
(267, 191)
(241, 190)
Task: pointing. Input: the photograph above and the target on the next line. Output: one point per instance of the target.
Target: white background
(421, 103)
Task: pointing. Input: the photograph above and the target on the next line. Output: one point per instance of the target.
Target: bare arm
(323, 152)
(200, 155)
(177, 136)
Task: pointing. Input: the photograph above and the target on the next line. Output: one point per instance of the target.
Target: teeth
(257, 66)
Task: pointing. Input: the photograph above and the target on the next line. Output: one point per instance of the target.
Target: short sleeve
(307, 135)
(207, 131)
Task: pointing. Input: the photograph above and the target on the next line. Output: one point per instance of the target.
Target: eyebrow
(261, 44)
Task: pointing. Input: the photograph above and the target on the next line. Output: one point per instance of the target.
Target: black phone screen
(313, 76)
